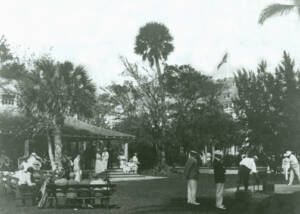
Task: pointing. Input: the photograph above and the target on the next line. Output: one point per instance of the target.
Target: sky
(95, 33)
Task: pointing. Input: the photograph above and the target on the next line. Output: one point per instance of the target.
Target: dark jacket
(191, 170)
(219, 171)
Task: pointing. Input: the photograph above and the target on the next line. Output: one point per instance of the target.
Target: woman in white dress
(77, 169)
(122, 160)
(98, 162)
(105, 157)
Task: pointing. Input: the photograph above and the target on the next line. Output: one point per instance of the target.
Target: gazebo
(83, 132)
(75, 134)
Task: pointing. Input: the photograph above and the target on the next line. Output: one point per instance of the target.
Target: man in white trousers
(294, 164)
(219, 174)
(191, 172)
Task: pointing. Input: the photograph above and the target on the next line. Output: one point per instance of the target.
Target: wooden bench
(21, 194)
(85, 193)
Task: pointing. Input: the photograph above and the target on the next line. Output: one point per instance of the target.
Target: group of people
(247, 166)
(130, 166)
(191, 172)
(101, 163)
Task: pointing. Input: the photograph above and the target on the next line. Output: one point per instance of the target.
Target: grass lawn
(168, 196)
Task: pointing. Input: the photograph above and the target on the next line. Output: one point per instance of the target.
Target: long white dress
(105, 156)
(77, 170)
(98, 164)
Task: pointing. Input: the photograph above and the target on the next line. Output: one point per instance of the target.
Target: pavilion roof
(74, 127)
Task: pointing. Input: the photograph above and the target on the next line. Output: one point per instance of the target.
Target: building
(228, 94)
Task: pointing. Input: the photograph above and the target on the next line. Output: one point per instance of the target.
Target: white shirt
(249, 163)
(293, 160)
(285, 162)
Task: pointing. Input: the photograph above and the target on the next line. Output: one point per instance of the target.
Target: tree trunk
(50, 152)
(163, 114)
(58, 145)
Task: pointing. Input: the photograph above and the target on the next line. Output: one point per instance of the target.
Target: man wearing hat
(286, 166)
(294, 164)
(247, 167)
(219, 174)
(191, 173)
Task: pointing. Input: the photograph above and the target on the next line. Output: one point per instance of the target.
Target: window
(8, 99)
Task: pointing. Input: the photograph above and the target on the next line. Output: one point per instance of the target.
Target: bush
(230, 160)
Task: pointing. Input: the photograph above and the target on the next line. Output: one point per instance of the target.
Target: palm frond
(274, 9)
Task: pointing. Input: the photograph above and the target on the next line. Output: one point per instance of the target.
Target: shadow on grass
(179, 205)
(280, 204)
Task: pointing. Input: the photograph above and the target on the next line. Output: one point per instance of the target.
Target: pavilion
(76, 136)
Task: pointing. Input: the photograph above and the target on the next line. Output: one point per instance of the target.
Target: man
(219, 174)
(247, 167)
(286, 166)
(294, 164)
(191, 172)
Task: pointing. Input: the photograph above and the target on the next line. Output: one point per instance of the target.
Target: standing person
(105, 157)
(191, 172)
(219, 174)
(98, 162)
(136, 162)
(247, 167)
(77, 168)
(286, 166)
(122, 160)
(294, 167)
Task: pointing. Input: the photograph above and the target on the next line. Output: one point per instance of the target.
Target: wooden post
(126, 151)
(26, 148)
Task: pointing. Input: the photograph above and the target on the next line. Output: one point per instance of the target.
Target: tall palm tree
(278, 9)
(154, 43)
(53, 91)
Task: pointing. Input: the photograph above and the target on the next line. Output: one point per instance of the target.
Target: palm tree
(278, 9)
(53, 91)
(154, 43)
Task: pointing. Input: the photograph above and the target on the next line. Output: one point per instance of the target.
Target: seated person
(25, 176)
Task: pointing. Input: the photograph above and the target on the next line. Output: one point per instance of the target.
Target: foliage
(268, 105)
(278, 9)
(154, 42)
(196, 115)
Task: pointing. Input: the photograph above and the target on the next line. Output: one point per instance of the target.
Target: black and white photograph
(148, 106)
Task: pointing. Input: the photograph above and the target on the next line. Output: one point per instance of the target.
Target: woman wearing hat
(219, 174)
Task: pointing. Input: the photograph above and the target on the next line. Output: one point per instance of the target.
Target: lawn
(168, 196)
